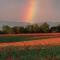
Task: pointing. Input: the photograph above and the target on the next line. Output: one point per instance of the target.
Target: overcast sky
(15, 10)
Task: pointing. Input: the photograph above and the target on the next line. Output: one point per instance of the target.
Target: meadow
(30, 53)
(19, 38)
(26, 37)
(37, 52)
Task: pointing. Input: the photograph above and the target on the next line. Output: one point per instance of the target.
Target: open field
(30, 53)
(30, 39)
(27, 37)
(44, 42)
(30, 47)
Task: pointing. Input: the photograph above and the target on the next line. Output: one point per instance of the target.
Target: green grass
(42, 53)
(20, 38)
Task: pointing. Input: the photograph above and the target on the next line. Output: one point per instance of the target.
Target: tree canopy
(34, 28)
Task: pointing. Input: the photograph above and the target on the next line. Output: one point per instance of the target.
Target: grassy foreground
(30, 53)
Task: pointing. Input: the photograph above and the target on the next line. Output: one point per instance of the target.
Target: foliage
(7, 29)
(42, 53)
(15, 30)
(34, 28)
(44, 28)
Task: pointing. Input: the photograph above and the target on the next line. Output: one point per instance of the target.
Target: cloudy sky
(24, 10)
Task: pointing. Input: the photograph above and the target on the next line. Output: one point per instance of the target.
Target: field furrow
(50, 42)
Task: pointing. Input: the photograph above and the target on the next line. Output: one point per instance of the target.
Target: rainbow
(31, 11)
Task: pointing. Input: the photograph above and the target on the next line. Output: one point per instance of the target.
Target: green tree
(28, 29)
(35, 28)
(1, 32)
(54, 29)
(44, 28)
(21, 29)
(7, 29)
(32, 28)
(58, 28)
(16, 30)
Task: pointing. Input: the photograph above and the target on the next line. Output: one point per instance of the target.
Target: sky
(30, 10)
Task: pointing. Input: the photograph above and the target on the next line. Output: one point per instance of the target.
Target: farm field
(30, 53)
(30, 39)
(30, 47)
(27, 37)
(43, 42)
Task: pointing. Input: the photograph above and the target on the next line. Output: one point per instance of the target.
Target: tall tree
(35, 28)
(16, 30)
(53, 29)
(7, 29)
(32, 28)
(58, 28)
(44, 28)
(21, 29)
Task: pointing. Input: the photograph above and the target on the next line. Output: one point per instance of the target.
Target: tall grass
(30, 53)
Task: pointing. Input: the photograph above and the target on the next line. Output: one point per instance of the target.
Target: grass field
(20, 38)
(26, 37)
(12, 49)
(30, 53)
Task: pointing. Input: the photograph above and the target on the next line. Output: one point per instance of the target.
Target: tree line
(34, 28)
